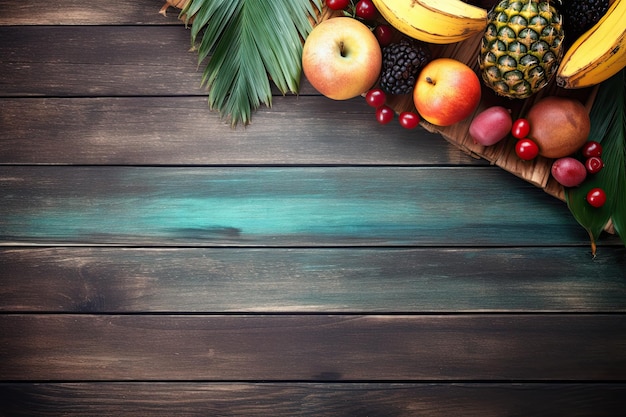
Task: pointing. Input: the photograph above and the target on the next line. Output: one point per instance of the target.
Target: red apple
(446, 92)
(341, 58)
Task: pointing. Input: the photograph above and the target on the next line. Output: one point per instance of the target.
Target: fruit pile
(536, 136)
(495, 79)
(523, 47)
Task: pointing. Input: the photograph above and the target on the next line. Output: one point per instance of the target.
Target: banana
(434, 21)
(598, 54)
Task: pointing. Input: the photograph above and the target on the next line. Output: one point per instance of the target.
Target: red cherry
(365, 9)
(592, 148)
(337, 4)
(409, 120)
(594, 164)
(520, 129)
(384, 114)
(384, 34)
(526, 149)
(596, 197)
(375, 97)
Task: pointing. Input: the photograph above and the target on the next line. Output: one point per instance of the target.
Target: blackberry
(581, 15)
(402, 62)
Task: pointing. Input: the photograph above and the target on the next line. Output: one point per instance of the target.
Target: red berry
(592, 148)
(384, 114)
(384, 34)
(365, 9)
(337, 4)
(526, 149)
(520, 129)
(596, 197)
(594, 164)
(375, 97)
(409, 120)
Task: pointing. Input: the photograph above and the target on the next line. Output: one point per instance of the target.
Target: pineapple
(521, 48)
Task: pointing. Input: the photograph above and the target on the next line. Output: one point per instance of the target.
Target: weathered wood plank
(182, 130)
(79, 12)
(69, 98)
(313, 399)
(100, 61)
(279, 206)
(97, 61)
(313, 347)
(104, 280)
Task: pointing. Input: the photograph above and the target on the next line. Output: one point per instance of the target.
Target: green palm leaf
(608, 126)
(246, 45)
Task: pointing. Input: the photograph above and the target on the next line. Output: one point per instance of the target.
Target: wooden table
(155, 261)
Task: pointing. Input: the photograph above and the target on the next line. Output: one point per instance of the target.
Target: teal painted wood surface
(279, 206)
(316, 280)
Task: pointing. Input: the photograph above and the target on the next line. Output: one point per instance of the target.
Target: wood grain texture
(77, 12)
(192, 280)
(98, 61)
(181, 130)
(312, 399)
(313, 347)
(294, 206)
(154, 261)
(78, 61)
(104, 61)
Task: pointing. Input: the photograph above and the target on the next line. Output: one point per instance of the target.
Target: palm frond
(246, 45)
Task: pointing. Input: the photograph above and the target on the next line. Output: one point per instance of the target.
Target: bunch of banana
(434, 21)
(598, 54)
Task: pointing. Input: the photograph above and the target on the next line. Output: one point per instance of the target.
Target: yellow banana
(434, 21)
(598, 54)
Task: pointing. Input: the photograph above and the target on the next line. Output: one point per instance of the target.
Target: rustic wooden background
(154, 261)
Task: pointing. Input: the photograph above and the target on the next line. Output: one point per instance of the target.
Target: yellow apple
(341, 58)
(446, 92)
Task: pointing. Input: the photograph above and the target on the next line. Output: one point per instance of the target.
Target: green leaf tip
(245, 45)
(608, 126)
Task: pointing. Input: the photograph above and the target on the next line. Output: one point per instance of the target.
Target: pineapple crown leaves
(608, 126)
(246, 45)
